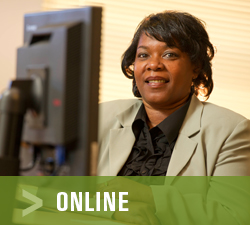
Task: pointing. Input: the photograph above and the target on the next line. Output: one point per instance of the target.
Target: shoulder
(118, 105)
(221, 115)
(115, 113)
(226, 135)
(113, 108)
(213, 120)
(223, 124)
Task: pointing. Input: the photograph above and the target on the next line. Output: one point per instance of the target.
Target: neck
(156, 114)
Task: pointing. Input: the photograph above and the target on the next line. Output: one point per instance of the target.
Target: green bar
(153, 200)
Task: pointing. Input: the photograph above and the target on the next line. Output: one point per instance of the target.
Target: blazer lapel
(121, 143)
(122, 139)
(185, 146)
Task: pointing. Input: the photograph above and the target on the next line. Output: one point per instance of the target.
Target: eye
(170, 55)
(142, 55)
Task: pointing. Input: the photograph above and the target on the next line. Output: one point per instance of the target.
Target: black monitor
(58, 74)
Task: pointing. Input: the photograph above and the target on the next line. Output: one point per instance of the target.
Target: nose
(155, 63)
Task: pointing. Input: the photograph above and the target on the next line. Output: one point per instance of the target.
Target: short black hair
(181, 30)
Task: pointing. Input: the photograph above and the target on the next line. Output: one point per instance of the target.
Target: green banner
(125, 200)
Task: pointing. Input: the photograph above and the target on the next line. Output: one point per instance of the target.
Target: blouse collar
(169, 126)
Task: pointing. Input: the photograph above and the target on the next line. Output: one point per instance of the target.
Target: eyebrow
(145, 47)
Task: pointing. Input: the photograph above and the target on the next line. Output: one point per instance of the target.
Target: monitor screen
(61, 55)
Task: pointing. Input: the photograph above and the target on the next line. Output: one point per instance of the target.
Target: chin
(156, 102)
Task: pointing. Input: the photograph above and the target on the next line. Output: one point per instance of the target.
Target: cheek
(183, 76)
(136, 70)
(138, 73)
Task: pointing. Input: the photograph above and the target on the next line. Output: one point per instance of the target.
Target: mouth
(156, 81)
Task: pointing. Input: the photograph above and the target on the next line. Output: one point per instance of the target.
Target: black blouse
(153, 148)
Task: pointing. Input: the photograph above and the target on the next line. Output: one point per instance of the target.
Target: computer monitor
(61, 58)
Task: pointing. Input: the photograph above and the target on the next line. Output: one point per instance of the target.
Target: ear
(195, 75)
(196, 72)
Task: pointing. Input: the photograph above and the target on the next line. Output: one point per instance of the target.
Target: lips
(156, 80)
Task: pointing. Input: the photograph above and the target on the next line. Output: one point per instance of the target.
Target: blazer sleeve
(234, 157)
(224, 198)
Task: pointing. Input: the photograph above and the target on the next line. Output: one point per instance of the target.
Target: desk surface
(51, 217)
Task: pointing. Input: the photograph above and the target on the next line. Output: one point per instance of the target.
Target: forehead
(146, 40)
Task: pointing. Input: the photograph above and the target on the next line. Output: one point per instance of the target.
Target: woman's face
(163, 75)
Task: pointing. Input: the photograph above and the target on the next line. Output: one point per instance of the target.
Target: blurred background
(227, 22)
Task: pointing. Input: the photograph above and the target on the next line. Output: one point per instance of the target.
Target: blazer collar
(192, 121)
(185, 144)
(126, 117)
(122, 139)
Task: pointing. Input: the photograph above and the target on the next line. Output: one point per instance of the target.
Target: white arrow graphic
(33, 198)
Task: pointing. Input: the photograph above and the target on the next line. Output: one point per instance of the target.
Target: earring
(192, 87)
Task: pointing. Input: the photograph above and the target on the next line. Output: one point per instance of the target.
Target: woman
(168, 131)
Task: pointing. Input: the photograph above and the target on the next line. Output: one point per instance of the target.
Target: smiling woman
(177, 31)
(167, 130)
(163, 75)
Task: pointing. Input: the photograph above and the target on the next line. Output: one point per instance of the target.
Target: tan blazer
(212, 141)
